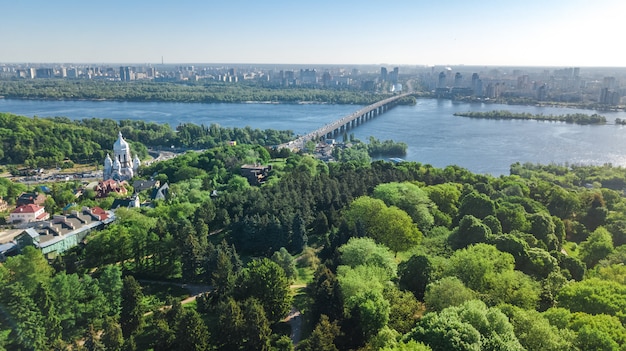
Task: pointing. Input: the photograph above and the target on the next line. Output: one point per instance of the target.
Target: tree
(476, 204)
(447, 292)
(470, 231)
(30, 268)
(110, 282)
(594, 296)
(325, 294)
(131, 317)
(389, 226)
(534, 331)
(415, 274)
(404, 309)
(409, 198)
(28, 330)
(92, 342)
(471, 326)
(597, 246)
(364, 251)
(286, 262)
(257, 330)
(323, 336)
(543, 228)
(192, 333)
(477, 265)
(266, 281)
(370, 310)
(230, 324)
(112, 337)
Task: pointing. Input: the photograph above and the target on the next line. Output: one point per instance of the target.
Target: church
(122, 166)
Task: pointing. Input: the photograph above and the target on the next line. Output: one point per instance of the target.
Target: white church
(122, 166)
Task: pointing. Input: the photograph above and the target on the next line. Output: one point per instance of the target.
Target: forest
(575, 118)
(199, 92)
(373, 256)
(49, 142)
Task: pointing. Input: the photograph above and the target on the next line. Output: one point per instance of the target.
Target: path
(195, 290)
(294, 318)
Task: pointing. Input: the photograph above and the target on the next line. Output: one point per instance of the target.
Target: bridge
(346, 123)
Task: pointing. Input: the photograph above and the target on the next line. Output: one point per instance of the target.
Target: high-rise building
(442, 80)
(458, 79)
(383, 74)
(308, 76)
(327, 79)
(44, 73)
(126, 74)
(393, 76)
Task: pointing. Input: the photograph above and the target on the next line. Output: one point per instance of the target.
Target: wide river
(433, 134)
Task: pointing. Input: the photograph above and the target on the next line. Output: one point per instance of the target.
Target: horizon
(491, 33)
(309, 64)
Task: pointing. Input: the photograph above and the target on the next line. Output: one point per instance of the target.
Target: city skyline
(491, 33)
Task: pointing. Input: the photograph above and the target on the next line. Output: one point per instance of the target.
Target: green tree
(131, 316)
(471, 326)
(110, 282)
(409, 198)
(364, 251)
(534, 331)
(112, 337)
(470, 231)
(594, 296)
(597, 246)
(287, 263)
(267, 282)
(477, 265)
(257, 330)
(415, 274)
(323, 336)
(447, 292)
(389, 226)
(192, 333)
(476, 204)
(371, 311)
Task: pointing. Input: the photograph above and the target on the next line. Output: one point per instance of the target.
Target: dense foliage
(49, 142)
(204, 92)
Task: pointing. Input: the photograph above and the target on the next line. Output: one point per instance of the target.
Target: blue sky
(487, 32)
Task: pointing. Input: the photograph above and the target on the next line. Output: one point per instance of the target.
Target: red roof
(31, 208)
(102, 214)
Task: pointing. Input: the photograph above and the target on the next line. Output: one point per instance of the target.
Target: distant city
(602, 86)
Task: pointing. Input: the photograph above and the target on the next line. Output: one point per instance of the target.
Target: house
(141, 185)
(63, 232)
(104, 188)
(28, 213)
(256, 174)
(30, 199)
(129, 202)
(160, 193)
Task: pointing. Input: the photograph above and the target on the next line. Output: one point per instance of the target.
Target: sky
(562, 33)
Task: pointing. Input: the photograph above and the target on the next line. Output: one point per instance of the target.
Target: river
(432, 133)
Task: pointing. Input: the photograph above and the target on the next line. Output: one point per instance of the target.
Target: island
(576, 118)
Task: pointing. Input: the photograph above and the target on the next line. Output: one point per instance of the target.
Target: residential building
(28, 213)
(30, 199)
